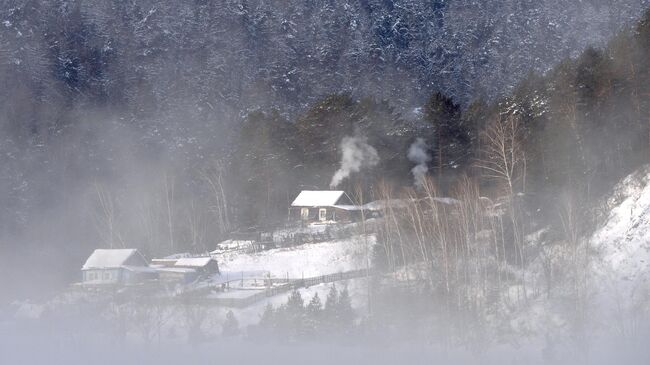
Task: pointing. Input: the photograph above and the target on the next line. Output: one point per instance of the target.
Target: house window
(322, 214)
(304, 213)
(107, 275)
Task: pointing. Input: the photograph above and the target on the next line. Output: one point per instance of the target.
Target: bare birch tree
(502, 157)
(503, 160)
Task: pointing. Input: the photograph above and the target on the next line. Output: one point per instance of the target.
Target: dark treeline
(315, 320)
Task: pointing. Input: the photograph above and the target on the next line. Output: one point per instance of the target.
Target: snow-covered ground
(623, 241)
(251, 315)
(306, 260)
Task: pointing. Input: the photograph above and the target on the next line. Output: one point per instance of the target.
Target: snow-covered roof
(177, 256)
(163, 262)
(386, 203)
(140, 269)
(348, 207)
(193, 261)
(109, 258)
(179, 270)
(404, 203)
(317, 198)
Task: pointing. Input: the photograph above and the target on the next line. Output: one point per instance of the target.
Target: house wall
(212, 268)
(333, 214)
(114, 276)
(177, 277)
(103, 276)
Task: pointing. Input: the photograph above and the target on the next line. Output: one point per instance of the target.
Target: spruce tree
(268, 316)
(331, 304)
(344, 308)
(230, 327)
(313, 316)
(294, 316)
(295, 304)
(452, 139)
(315, 306)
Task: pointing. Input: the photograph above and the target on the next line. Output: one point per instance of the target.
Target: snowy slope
(623, 244)
(308, 260)
(624, 239)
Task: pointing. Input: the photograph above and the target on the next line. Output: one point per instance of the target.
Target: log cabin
(323, 206)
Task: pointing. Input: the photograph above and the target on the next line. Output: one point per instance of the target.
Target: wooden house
(323, 206)
(116, 267)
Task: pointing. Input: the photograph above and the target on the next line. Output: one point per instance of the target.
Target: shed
(203, 266)
(177, 275)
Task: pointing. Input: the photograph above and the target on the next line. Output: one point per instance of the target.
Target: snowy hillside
(308, 260)
(299, 51)
(623, 243)
(624, 239)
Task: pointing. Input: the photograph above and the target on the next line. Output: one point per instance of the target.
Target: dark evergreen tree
(314, 316)
(332, 299)
(230, 327)
(330, 311)
(295, 303)
(344, 308)
(267, 321)
(315, 307)
(263, 159)
(451, 138)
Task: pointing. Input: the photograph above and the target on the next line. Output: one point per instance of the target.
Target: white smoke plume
(418, 154)
(356, 153)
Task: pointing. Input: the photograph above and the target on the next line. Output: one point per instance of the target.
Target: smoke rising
(418, 154)
(356, 153)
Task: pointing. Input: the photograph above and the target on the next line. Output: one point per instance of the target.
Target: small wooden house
(117, 267)
(323, 206)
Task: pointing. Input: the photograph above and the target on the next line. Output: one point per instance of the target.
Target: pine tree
(313, 317)
(452, 139)
(344, 308)
(295, 304)
(267, 320)
(263, 154)
(331, 304)
(315, 306)
(230, 327)
(293, 324)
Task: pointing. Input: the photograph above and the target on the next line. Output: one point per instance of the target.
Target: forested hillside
(165, 125)
(570, 134)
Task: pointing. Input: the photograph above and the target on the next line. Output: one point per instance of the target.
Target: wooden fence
(285, 286)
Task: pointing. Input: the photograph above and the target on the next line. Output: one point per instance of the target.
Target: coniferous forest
(501, 128)
(109, 110)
